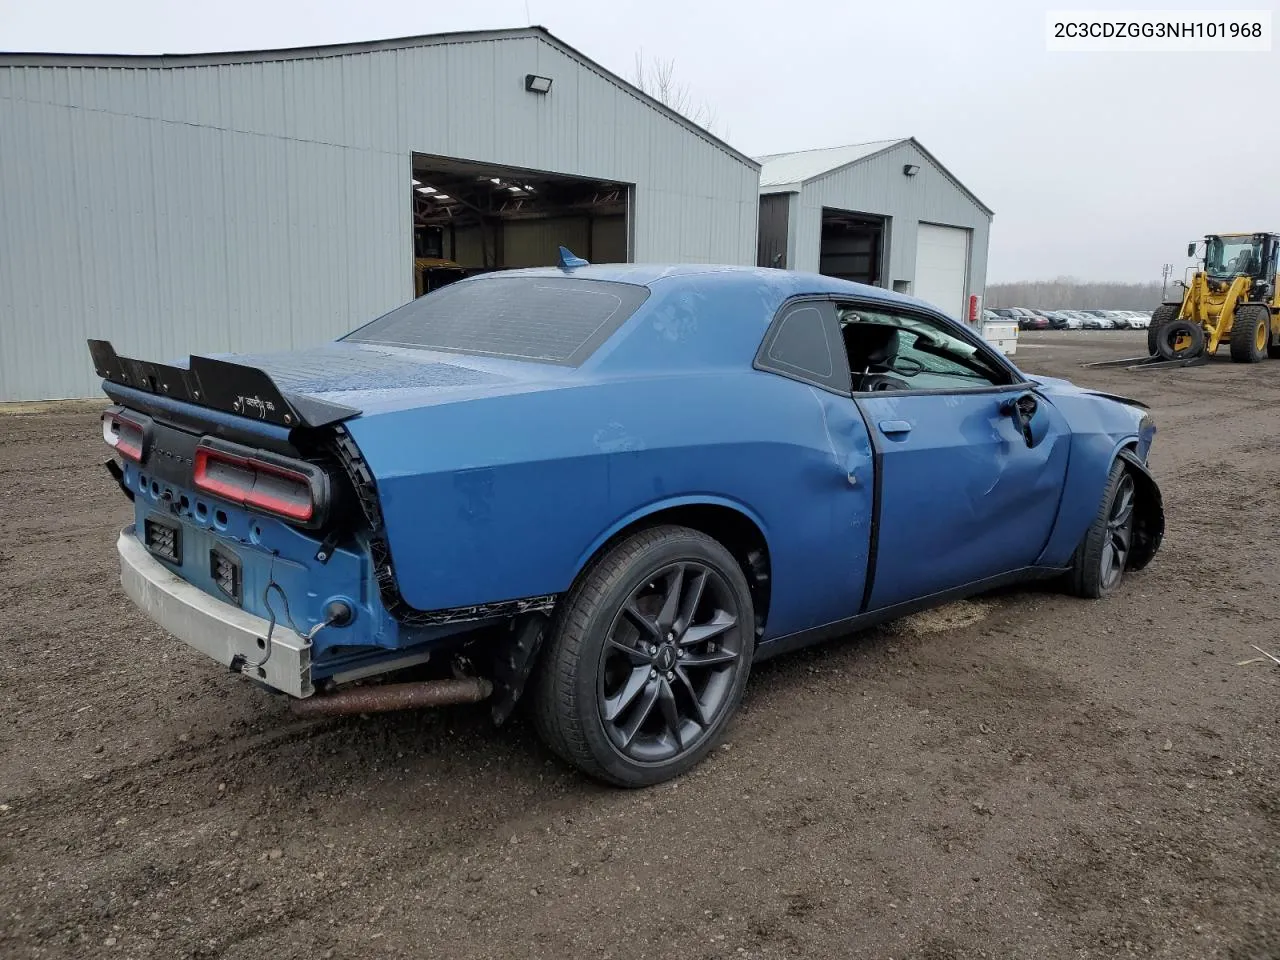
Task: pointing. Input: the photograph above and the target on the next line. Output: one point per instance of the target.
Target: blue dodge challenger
(607, 490)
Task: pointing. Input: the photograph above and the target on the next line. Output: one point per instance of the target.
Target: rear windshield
(548, 319)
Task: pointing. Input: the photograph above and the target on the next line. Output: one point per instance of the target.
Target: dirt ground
(1025, 775)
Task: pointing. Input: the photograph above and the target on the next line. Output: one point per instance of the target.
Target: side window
(804, 344)
(901, 352)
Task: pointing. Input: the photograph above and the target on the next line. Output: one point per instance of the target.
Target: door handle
(892, 427)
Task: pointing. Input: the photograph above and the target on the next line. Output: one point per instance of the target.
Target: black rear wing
(218, 385)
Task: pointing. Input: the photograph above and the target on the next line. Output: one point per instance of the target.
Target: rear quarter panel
(508, 497)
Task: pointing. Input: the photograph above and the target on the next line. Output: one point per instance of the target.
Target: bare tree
(1070, 293)
(657, 77)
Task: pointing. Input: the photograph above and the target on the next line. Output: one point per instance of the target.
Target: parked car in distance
(1137, 319)
(1098, 320)
(1059, 320)
(1030, 320)
(621, 486)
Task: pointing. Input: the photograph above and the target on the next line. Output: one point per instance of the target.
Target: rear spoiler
(219, 385)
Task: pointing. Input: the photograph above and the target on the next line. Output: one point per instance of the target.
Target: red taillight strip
(117, 442)
(251, 496)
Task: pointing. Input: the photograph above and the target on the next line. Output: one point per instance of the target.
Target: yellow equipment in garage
(1234, 298)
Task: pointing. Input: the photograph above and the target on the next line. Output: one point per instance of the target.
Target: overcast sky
(1100, 166)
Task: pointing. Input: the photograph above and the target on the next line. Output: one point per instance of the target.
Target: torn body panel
(1100, 430)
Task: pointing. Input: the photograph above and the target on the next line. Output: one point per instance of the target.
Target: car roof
(783, 283)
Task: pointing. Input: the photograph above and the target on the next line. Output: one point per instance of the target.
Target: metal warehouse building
(257, 201)
(885, 213)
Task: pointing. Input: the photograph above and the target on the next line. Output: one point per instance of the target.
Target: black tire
(1251, 333)
(1099, 562)
(1169, 334)
(1161, 316)
(598, 643)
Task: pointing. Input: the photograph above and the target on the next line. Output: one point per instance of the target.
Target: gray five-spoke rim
(670, 661)
(1119, 533)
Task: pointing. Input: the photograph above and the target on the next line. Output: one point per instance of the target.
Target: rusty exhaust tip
(384, 698)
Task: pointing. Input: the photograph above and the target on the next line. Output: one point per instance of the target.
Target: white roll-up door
(942, 265)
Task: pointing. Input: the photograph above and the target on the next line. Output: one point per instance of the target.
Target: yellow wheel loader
(1234, 299)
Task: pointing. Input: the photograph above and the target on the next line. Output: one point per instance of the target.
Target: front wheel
(1251, 333)
(648, 658)
(1099, 562)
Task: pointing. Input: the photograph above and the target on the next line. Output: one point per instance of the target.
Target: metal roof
(782, 169)
(781, 172)
(149, 61)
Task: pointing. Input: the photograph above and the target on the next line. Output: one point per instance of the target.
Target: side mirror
(1031, 421)
(1191, 249)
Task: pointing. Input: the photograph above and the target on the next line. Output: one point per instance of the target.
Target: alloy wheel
(669, 664)
(1119, 533)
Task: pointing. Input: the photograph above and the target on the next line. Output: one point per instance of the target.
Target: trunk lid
(316, 386)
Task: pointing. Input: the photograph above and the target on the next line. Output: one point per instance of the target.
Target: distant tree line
(1068, 293)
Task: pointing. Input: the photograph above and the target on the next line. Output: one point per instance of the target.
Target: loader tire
(1251, 333)
(1159, 318)
(1166, 341)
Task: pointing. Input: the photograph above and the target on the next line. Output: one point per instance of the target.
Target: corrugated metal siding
(878, 186)
(264, 205)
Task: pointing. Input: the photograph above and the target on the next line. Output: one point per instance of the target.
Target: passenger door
(970, 463)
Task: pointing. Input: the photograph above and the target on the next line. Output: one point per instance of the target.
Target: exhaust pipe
(385, 698)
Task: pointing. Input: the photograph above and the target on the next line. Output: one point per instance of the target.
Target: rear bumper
(217, 629)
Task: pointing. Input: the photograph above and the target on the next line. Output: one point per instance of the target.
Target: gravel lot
(1024, 775)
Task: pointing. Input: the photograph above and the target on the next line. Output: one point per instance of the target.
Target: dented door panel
(962, 496)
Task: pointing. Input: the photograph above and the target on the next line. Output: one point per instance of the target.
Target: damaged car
(606, 492)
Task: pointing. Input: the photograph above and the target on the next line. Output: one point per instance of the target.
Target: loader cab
(1232, 255)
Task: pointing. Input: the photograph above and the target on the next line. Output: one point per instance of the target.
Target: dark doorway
(471, 217)
(771, 248)
(852, 246)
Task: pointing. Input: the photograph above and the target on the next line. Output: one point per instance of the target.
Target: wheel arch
(734, 525)
(1148, 526)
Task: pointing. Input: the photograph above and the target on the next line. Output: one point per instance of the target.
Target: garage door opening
(852, 246)
(471, 218)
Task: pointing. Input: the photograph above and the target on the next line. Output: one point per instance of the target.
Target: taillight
(248, 478)
(128, 437)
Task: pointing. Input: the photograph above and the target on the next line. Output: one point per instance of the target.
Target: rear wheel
(1099, 562)
(648, 659)
(1161, 316)
(1180, 340)
(1251, 333)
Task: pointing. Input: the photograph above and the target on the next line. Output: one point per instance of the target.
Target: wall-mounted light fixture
(536, 84)
(910, 169)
